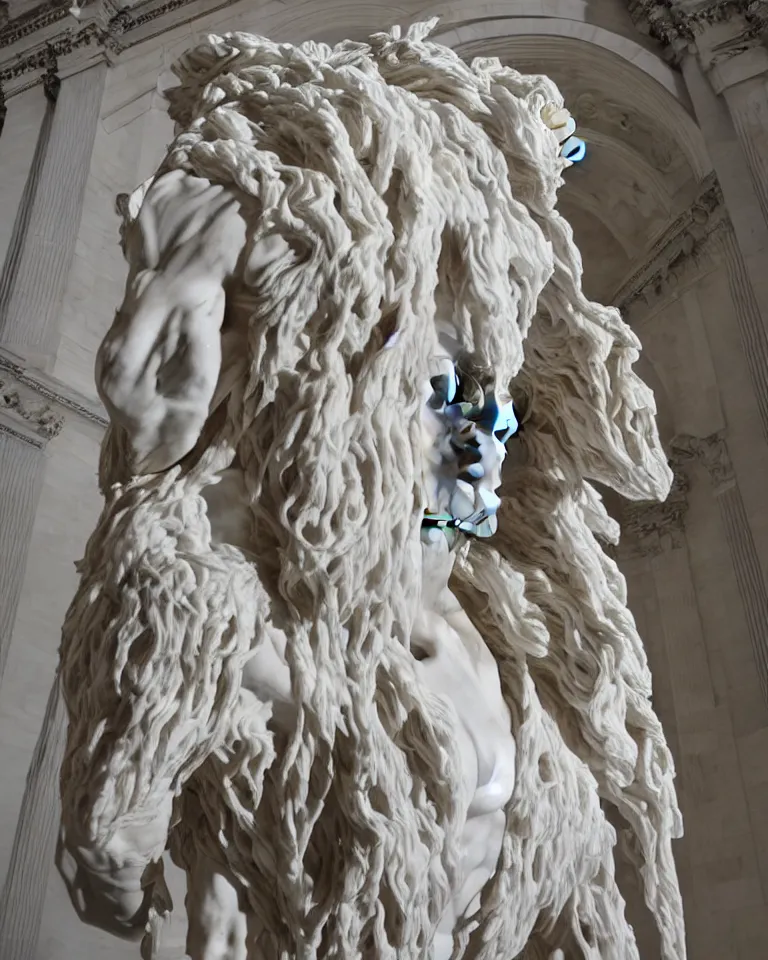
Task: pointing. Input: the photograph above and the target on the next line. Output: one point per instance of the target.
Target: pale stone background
(671, 212)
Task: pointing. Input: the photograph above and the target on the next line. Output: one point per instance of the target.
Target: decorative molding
(684, 242)
(54, 29)
(29, 23)
(649, 527)
(678, 24)
(712, 453)
(27, 410)
(34, 410)
(22, 437)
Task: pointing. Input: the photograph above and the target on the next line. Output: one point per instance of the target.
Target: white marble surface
(712, 716)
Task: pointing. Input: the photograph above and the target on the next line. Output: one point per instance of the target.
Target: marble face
(466, 447)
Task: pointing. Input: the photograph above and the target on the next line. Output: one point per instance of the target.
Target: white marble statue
(366, 722)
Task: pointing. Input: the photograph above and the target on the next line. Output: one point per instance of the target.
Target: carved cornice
(29, 23)
(24, 415)
(683, 243)
(712, 453)
(678, 24)
(33, 409)
(60, 29)
(649, 527)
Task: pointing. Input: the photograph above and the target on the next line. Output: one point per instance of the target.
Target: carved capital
(680, 25)
(51, 79)
(33, 407)
(24, 414)
(70, 29)
(712, 453)
(681, 249)
(648, 527)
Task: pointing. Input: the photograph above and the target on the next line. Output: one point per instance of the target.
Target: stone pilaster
(34, 844)
(712, 453)
(33, 409)
(32, 413)
(37, 268)
(27, 423)
(735, 61)
(655, 532)
(752, 330)
(718, 46)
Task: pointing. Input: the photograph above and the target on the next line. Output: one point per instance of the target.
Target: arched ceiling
(644, 155)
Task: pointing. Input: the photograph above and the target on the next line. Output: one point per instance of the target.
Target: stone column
(35, 274)
(712, 453)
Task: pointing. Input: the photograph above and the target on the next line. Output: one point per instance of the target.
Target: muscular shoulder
(185, 219)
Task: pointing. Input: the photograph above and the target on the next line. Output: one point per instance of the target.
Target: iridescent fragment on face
(471, 445)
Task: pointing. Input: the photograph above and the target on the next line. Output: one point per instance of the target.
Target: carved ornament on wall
(101, 23)
(712, 453)
(678, 252)
(676, 27)
(648, 528)
(30, 418)
(34, 408)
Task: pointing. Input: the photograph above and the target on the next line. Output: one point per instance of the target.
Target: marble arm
(111, 885)
(159, 364)
(157, 372)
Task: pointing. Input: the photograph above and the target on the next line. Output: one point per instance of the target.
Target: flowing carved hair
(417, 194)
